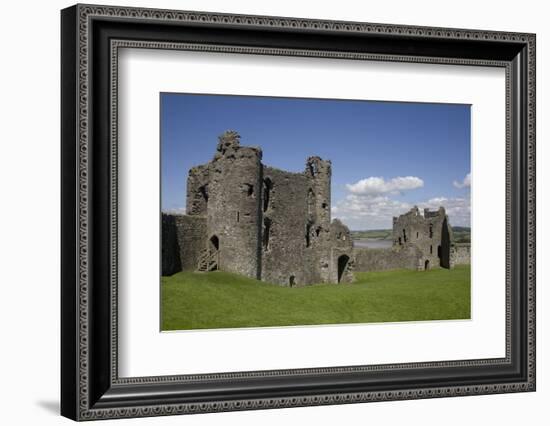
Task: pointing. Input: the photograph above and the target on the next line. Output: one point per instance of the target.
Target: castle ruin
(273, 225)
(258, 221)
(420, 241)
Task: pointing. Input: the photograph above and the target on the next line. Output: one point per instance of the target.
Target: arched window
(203, 190)
(214, 243)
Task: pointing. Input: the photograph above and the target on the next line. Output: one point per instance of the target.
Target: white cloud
(175, 210)
(466, 182)
(458, 209)
(376, 212)
(377, 185)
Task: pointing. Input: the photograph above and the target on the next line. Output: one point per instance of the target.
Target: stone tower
(227, 192)
(430, 232)
(319, 174)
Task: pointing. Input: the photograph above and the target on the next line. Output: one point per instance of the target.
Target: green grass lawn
(194, 300)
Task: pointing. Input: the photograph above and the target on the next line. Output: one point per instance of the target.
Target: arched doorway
(427, 264)
(214, 243)
(292, 281)
(342, 265)
(209, 257)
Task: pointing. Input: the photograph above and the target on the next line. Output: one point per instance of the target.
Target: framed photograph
(263, 212)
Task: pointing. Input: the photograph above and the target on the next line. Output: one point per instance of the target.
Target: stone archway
(214, 243)
(209, 257)
(426, 265)
(343, 261)
(292, 281)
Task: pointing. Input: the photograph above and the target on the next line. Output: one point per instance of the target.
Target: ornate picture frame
(91, 37)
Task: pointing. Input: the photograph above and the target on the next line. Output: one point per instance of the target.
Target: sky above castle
(386, 156)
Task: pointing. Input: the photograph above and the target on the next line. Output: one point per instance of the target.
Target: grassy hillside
(461, 234)
(381, 234)
(192, 300)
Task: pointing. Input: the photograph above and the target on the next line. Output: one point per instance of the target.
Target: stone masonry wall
(183, 237)
(318, 225)
(284, 228)
(171, 262)
(233, 208)
(460, 254)
(342, 260)
(369, 259)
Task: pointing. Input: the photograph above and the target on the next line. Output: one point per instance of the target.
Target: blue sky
(386, 156)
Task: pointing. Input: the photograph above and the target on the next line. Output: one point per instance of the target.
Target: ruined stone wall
(460, 254)
(342, 259)
(197, 190)
(318, 254)
(284, 211)
(369, 259)
(430, 232)
(183, 238)
(170, 258)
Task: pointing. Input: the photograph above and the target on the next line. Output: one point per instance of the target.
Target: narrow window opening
(312, 169)
(310, 201)
(238, 216)
(204, 192)
(268, 185)
(404, 236)
(431, 249)
(267, 231)
(308, 233)
(431, 231)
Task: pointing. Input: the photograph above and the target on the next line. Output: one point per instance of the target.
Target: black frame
(90, 387)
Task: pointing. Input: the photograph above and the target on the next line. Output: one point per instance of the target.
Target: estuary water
(372, 243)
